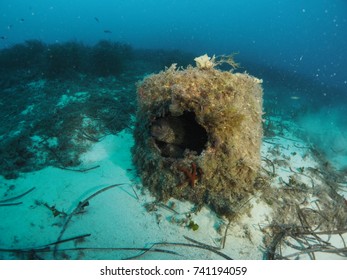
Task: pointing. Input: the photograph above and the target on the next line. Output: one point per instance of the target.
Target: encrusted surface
(198, 136)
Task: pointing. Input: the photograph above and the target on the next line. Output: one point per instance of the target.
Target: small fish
(3, 38)
(21, 20)
(295, 97)
(9, 26)
(107, 31)
(96, 19)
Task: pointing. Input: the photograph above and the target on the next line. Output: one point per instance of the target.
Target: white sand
(117, 218)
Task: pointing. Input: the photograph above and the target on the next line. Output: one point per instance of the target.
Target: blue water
(298, 48)
(308, 37)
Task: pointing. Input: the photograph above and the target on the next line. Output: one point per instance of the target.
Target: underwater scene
(173, 130)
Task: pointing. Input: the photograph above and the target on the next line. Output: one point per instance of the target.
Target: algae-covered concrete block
(198, 135)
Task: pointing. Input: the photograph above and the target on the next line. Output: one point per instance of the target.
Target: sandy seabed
(101, 211)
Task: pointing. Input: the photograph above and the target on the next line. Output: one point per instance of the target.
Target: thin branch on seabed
(78, 209)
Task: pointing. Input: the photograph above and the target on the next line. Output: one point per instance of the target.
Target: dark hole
(175, 134)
